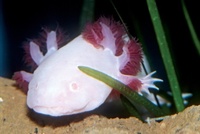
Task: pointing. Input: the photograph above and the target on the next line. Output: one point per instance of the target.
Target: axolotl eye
(74, 86)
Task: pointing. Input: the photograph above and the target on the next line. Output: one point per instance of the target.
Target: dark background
(24, 20)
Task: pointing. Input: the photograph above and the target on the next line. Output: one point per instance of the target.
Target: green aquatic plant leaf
(87, 13)
(133, 111)
(191, 27)
(125, 90)
(165, 53)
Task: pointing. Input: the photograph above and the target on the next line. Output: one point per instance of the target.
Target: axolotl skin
(57, 87)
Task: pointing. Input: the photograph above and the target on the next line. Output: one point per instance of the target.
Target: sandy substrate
(16, 118)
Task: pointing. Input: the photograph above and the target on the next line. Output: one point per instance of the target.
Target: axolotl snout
(57, 87)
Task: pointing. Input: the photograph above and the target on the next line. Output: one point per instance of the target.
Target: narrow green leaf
(130, 107)
(191, 27)
(87, 12)
(165, 53)
(126, 91)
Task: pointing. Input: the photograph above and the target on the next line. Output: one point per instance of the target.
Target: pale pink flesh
(58, 88)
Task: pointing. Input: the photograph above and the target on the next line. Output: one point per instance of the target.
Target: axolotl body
(57, 87)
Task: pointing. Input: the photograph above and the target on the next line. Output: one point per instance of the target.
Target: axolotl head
(64, 92)
(57, 87)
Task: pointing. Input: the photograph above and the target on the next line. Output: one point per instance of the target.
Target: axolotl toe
(57, 87)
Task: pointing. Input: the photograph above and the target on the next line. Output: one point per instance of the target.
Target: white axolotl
(57, 87)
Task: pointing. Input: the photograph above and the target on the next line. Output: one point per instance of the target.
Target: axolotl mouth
(56, 108)
(56, 111)
(103, 45)
(61, 103)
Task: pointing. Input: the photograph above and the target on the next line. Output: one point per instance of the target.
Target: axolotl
(57, 87)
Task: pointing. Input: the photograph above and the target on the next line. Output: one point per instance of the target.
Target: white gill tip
(157, 80)
(154, 87)
(152, 80)
(35, 53)
(150, 74)
(148, 82)
(52, 41)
